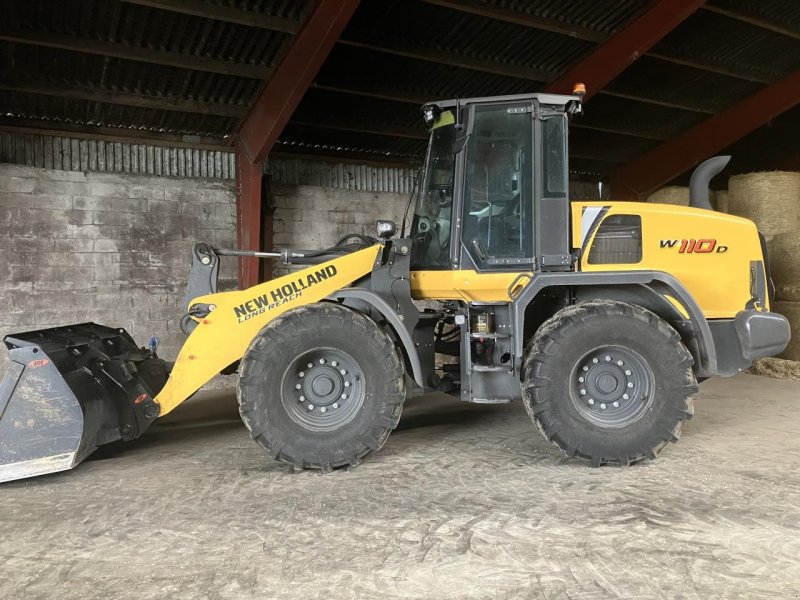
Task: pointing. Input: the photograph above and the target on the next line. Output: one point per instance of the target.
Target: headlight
(429, 113)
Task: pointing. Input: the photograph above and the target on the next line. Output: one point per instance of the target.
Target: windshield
(433, 212)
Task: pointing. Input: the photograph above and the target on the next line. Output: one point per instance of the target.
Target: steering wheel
(445, 195)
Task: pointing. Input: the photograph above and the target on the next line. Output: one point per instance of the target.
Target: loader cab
(493, 195)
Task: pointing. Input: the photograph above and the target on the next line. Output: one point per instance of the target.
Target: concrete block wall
(314, 218)
(105, 247)
(115, 248)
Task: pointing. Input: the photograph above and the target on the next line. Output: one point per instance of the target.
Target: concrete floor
(463, 502)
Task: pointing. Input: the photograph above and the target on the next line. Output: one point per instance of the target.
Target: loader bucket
(69, 390)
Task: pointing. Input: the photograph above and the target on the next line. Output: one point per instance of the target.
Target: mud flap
(69, 390)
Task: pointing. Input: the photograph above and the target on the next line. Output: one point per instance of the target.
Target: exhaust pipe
(701, 177)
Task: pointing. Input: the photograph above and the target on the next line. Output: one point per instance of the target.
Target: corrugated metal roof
(145, 27)
(54, 67)
(407, 52)
(681, 85)
(721, 41)
(780, 12)
(66, 110)
(636, 118)
(424, 26)
(349, 144)
(603, 17)
(362, 69)
(359, 112)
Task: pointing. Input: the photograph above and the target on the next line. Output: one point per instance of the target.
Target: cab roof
(557, 100)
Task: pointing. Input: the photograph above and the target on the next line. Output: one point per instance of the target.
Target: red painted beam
(292, 77)
(662, 164)
(268, 116)
(616, 54)
(248, 216)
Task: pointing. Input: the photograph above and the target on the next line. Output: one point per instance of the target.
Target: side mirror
(386, 228)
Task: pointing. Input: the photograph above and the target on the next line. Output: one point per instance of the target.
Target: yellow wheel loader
(601, 317)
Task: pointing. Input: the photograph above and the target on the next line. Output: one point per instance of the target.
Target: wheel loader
(600, 316)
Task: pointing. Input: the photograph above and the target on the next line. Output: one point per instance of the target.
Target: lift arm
(234, 318)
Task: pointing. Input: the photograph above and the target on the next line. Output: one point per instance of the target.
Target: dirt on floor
(465, 501)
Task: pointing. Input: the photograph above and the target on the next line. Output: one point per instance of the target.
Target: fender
(660, 282)
(398, 326)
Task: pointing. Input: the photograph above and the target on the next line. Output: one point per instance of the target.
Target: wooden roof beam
(419, 100)
(716, 69)
(220, 12)
(667, 10)
(147, 55)
(401, 132)
(452, 60)
(499, 13)
(495, 68)
(127, 99)
(755, 21)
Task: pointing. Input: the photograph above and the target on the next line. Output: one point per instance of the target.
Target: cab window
(434, 210)
(498, 186)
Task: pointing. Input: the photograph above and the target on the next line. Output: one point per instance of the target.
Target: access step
(491, 400)
(489, 336)
(491, 369)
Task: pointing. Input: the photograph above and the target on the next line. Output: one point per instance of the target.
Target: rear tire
(608, 382)
(321, 387)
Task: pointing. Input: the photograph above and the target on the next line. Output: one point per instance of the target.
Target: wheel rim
(612, 386)
(323, 389)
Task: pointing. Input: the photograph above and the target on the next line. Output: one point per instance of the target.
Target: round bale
(721, 204)
(770, 199)
(673, 194)
(784, 259)
(790, 310)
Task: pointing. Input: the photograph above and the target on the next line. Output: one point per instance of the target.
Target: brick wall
(109, 248)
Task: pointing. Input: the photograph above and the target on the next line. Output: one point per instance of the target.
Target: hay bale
(673, 194)
(790, 310)
(721, 201)
(784, 259)
(770, 199)
(676, 195)
(777, 368)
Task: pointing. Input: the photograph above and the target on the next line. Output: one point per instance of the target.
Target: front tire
(608, 382)
(321, 387)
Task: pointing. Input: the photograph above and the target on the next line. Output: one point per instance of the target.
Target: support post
(266, 119)
(248, 216)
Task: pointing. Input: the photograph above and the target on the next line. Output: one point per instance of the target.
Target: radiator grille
(618, 241)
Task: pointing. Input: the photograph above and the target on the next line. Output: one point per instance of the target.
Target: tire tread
(536, 385)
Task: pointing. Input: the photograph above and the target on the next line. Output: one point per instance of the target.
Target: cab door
(497, 208)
